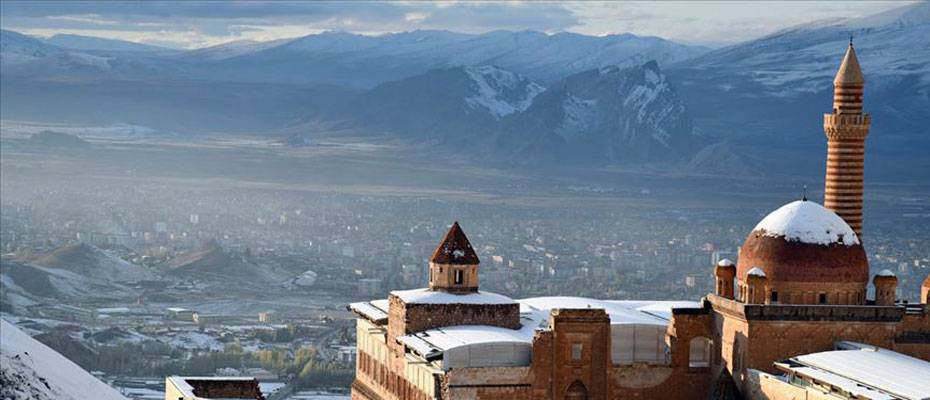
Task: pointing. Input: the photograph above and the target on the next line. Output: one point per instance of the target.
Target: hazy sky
(192, 24)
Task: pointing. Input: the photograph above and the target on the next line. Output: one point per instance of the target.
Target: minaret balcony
(847, 119)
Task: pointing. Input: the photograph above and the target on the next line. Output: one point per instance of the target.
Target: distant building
(267, 317)
(791, 319)
(207, 388)
(180, 314)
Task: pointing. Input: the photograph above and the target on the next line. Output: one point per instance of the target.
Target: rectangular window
(774, 298)
(576, 351)
(822, 298)
(458, 277)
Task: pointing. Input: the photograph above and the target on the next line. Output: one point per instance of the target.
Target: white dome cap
(807, 222)
(885, 272)
(756, 271)
(726, 262)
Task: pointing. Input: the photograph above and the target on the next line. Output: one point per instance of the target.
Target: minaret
(846, 129)
(454, 265)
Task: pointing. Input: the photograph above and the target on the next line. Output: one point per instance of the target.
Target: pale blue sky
(193, 24)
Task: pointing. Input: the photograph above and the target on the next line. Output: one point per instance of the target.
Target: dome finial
(850, 40)
(804, 194)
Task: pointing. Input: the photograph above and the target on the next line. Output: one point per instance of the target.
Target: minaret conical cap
(849, 73)
(455, 249)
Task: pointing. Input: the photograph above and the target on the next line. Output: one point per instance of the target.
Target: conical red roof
(455, 249)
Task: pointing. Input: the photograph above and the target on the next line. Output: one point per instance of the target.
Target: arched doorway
(576, 391)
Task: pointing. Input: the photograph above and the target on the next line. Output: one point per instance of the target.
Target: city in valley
(260, 219)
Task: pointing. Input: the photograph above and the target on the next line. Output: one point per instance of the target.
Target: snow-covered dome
(885, 272)
(807, 222)
(726, 262)
(802, 248)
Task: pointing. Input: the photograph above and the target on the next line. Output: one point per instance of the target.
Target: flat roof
(534, 314)
(427, 296)
(881, 369)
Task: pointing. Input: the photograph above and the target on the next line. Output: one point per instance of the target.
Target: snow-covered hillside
(605, 115)
(767, 94)
(501, 92)
(892, 45)
(92, 262)
(32, 370)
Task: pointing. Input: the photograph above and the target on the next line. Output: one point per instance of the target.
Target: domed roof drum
(804, 242)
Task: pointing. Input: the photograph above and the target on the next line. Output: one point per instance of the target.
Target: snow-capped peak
(501, 92)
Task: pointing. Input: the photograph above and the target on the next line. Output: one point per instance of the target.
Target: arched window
(576, 391)
(699, 350)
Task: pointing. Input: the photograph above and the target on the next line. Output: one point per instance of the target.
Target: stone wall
(488, 383)
(405, 318)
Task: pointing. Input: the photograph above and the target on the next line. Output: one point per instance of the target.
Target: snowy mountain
(457, 104)
(500, 92)
(605, 115)
(91, 43)
(365, 61)
(32, 370)
(770, 93)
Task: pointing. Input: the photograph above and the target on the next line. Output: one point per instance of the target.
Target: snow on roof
(427, 296)
(369, 311)
(882, 369)
(756, 271)
(482, 345)
(807, 222)
(620, 312)
(726, 262)
(850, 386)
(658, 308)
(381, 304)
(43, 374)
(885, 272)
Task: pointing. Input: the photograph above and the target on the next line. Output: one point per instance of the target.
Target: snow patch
(501, 92)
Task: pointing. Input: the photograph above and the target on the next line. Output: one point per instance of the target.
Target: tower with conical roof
(453, 266)
(846, 129)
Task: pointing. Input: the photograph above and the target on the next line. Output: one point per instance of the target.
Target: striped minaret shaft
(846, 129)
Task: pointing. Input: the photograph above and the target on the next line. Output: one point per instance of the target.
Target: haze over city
(252, 193)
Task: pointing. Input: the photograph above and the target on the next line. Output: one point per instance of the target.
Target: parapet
(807, 312)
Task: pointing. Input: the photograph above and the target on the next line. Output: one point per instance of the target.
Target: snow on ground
(807, 222)
(193, 341)
(32, 370)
